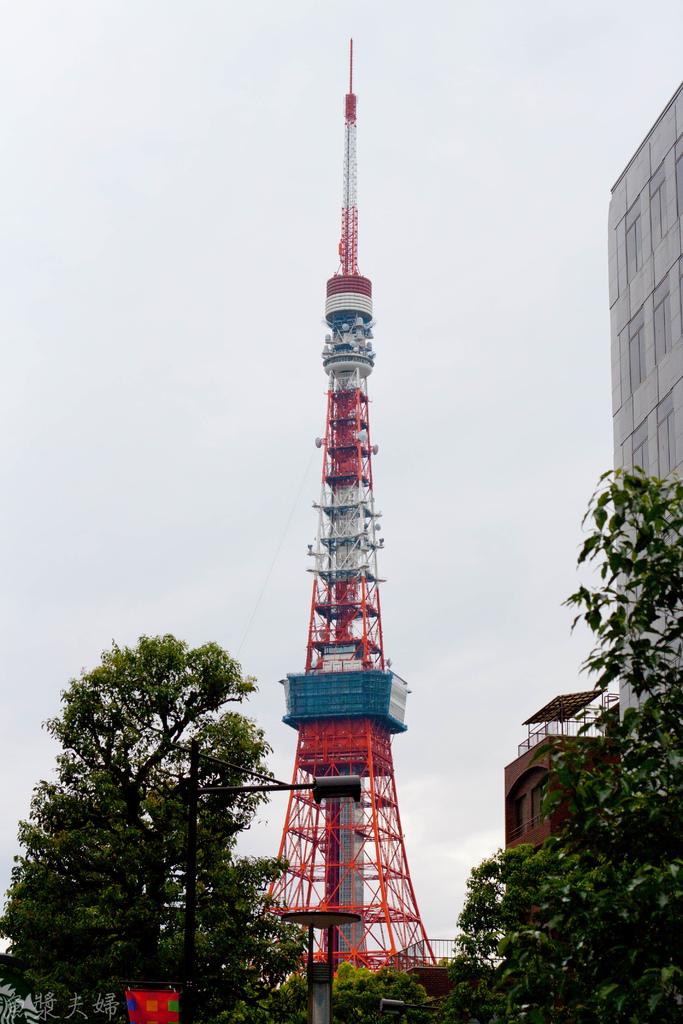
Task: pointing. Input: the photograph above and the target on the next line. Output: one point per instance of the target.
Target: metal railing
(586, 720)
(526, 826)
(426, 954)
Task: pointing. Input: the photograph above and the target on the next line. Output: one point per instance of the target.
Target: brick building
(526, 777)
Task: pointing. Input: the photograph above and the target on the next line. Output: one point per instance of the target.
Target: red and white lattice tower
(347, 705)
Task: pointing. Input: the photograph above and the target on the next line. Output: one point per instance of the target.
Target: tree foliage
(97, 895)
(286, 1004)
(611, 951)
(501, 893)
(356, 993)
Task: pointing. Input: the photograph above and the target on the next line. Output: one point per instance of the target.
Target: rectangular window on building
(666, 446)
(639, 447)
(662, 320)
(658, 205)
(679, 185)
(636, 351)
(537, 797)
(633, 241)
(520, 813)
(658, 216)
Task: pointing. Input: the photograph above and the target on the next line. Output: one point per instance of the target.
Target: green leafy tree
(356, 993)
(97, 895)
(612, 948)
(501, 894)
(287, 1004)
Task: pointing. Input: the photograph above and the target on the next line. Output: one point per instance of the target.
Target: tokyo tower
(347, 705)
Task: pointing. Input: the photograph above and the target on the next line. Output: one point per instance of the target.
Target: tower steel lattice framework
(347, 704)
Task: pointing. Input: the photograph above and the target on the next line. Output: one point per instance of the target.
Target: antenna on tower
(348, 247)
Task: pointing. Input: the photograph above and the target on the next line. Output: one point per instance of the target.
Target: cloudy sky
(171, 186)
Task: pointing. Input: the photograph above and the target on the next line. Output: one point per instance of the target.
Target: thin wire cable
(275, 556)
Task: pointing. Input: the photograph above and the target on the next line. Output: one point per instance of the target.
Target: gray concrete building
(646, 302)
(646, 297)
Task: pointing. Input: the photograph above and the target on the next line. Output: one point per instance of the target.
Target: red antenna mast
(348, 247)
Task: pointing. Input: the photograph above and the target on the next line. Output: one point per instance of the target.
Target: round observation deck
(347, 297)
(348, 362)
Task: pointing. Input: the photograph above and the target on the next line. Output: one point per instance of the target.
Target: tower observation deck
(346, 705)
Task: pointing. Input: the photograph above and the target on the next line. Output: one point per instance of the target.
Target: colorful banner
(153, 1006)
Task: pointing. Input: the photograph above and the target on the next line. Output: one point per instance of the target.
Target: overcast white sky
(171, 186)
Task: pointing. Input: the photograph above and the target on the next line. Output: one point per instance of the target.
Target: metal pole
(330, 960)
(309, 974)
(191, 888)
(319, 987)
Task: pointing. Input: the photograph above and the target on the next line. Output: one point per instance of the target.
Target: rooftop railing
(570, 726)
(431, 953)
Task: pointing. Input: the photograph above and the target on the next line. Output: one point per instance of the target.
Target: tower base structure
(350, 856)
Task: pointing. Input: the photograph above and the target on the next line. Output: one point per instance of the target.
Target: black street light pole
(320, 975)
(191, 887)
(334, 787)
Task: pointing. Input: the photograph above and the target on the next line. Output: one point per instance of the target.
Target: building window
(662, 320)
(679, 185)
(658, 205)
(666, 444)
(633, 241)
(520, 819)
(537, 797)
(639, 447)
(636, 351)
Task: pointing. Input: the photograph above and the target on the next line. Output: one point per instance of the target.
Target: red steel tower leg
(347, 705)
(345, 856)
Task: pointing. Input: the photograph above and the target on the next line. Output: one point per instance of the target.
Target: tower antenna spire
(348, 246)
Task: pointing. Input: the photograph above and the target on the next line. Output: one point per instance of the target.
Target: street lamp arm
(397, 1007)
(276, 788)
(328, 787)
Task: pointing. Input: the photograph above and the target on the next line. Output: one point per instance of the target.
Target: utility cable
(275, 556)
